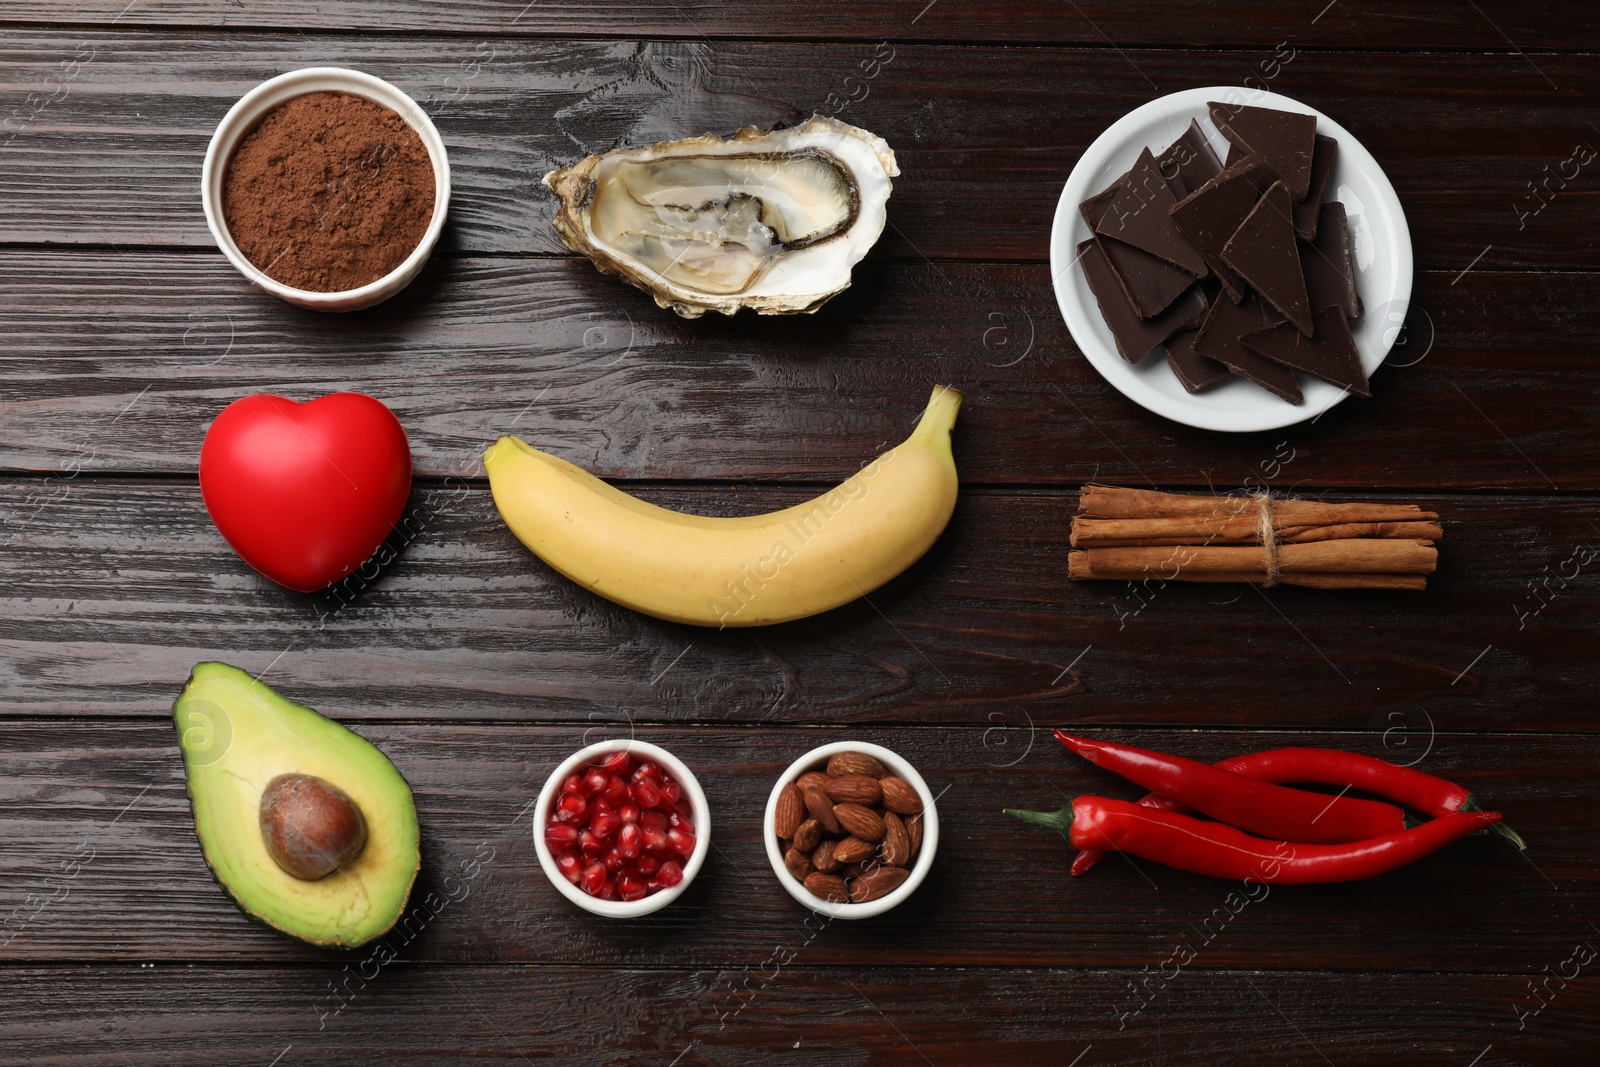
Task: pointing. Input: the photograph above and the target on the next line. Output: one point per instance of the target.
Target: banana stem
(940, 414)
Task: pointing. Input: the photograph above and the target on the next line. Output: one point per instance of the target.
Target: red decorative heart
(305, 493)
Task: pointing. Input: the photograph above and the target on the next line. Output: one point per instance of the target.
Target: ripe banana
(747, 571)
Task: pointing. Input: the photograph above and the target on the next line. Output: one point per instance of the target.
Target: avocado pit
(310, 826)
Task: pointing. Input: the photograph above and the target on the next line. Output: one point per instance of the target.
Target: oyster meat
(766, 220)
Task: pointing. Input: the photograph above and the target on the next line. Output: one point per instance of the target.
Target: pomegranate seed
(655, 838)
(609, 890)
(658, 819)
(670, 874)
(589, 844)
(616, 763)
(560, 835)
(604, 824)
(594, 781)
(616, 791)
(646, 769)
(647, 793)
(628, 813)
(631, 887)
(593, 879)
(573, 784)
(600, 803)
(671, 791)
(681, 841)
(679, 818)
(647, 865)
(570, 807)
(614, 860)
(570, 866)
(630, 840)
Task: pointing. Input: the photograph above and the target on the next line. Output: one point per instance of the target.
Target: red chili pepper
(1421, 792)
(1220, 851)
(1273, 811)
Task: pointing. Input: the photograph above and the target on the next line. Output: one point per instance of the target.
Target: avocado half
(237, 735)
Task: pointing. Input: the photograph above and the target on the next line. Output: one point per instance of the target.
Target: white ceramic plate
(1378, 233)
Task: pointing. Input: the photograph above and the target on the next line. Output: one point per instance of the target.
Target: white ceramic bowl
(816, 759)
(242, 118)
(1379, 238)
(623, 909)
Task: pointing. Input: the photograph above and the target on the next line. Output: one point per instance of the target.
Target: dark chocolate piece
(1189, 162)
(1329, 354)
(1193, 371)
(1210, 215)
(1092, 208)
(1307, 211)
(1136, 336)
(1151, 283)
(1263, 252)
(1285, 140)
(1219, 339)
(1328, 264)
(1137, 215)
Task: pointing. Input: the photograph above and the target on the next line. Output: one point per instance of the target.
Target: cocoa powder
(329, 192)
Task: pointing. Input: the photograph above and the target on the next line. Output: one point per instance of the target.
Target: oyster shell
(766, 220)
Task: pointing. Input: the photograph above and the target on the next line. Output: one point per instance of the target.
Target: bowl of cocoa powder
(326, 187)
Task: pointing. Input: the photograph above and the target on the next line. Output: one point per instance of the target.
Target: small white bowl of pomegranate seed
(878, 805)
(621, 828)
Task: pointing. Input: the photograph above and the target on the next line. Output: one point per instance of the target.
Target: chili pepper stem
(1471, 804)
(1059, 821)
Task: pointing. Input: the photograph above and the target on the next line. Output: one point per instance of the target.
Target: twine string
(1269, 538)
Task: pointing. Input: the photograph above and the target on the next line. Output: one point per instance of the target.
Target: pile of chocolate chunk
(1233, 267)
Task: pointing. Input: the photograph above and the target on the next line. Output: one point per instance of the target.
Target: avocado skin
(213, 864)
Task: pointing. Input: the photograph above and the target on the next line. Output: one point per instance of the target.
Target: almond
(821, 809)
(811, 780)
(798, 863)
(807, 835)
(900, 796)
(877, 883)
(823, 859)
(861, 822)
(896, 841)
(829, 887)
(852, 850)
(914, 829)
(854, 789)
(855, 763)
(790, 812)
(856, 870)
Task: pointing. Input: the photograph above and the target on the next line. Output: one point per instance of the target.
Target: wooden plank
(999, 894)
(118, 362)
(1566, 25)
(121, 1016)
(985, 135)
(113, 589)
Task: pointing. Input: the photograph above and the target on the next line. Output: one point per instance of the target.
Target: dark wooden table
(123, 332)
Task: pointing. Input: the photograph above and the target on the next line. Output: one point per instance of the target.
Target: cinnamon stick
(1113, 502)
(1358, 555)
(1239, 529)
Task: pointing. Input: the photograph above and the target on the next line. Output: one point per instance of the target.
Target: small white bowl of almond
(851, 829)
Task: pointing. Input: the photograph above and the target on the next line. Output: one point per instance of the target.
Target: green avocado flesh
(237, 735)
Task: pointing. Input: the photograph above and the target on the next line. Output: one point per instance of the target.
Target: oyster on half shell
(766, 220)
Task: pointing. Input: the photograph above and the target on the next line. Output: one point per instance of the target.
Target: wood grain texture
(998, 895)
(1496, 26)
(118, 362)
(985, 135)
(112, 590)
(802, 1015)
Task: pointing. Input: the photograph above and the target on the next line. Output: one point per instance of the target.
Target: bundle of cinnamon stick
(1134, 534)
